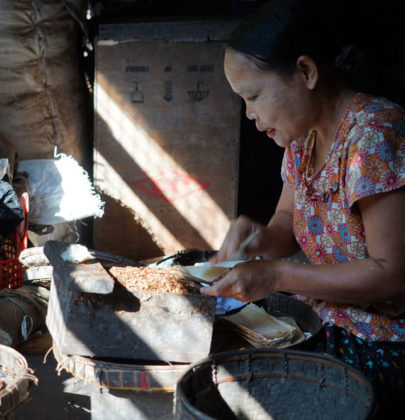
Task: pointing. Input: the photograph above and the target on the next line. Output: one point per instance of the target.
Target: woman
(343, 197)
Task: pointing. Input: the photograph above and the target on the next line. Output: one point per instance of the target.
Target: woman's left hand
(246, 282)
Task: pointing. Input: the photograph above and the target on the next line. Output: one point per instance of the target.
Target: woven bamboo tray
(272, 384)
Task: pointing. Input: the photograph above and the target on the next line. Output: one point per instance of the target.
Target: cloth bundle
(60, 191)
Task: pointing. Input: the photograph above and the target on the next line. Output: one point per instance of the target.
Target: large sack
(42, 94)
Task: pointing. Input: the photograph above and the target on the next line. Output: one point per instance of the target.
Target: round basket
(16, 382)
(272, 384)
(136, 376)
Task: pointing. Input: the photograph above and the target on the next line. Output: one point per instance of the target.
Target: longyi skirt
(382, 363)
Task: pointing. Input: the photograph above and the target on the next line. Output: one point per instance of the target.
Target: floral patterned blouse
(367, 157)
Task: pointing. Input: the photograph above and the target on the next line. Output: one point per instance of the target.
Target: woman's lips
(270, 132)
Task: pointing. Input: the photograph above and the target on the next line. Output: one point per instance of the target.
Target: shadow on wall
(260, 159)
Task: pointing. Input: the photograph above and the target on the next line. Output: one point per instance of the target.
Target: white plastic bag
(60, 191)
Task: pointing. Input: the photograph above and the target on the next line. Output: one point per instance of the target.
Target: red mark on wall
(171, 186)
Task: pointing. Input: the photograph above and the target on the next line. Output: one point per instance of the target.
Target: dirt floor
(60, 396)
(57, 396)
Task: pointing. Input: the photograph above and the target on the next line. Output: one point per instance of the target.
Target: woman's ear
(307, 70)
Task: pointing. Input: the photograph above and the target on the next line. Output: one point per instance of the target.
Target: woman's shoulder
(373, 153)
(373, 120)
(377, 112)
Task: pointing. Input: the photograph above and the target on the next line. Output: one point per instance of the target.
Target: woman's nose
(252, 115)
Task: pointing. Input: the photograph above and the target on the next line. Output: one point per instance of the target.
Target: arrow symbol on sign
(168, 91)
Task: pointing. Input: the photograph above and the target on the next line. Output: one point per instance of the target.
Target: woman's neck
(333, 105)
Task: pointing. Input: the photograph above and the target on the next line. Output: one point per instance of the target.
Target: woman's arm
(378, 278)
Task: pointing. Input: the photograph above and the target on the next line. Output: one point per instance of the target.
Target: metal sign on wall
(166, 145)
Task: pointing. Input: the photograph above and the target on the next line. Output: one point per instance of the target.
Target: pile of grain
(160, 280)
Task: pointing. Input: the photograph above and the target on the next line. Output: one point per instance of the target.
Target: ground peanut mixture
(161, 280)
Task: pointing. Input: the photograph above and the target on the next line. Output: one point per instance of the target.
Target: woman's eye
(251, 98)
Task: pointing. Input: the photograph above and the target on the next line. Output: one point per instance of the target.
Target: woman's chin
(280, 141)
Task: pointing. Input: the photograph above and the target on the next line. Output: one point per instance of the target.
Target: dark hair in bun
(280, 31)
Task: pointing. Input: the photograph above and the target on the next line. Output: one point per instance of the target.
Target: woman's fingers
(246, 282)
(225, 288)
(239, 229)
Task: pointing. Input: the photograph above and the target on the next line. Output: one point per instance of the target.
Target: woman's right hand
(276, 240)
(240, 228)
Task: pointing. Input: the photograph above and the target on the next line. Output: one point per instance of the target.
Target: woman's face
(282, 107)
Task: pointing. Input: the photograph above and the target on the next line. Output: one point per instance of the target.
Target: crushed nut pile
(161, 280)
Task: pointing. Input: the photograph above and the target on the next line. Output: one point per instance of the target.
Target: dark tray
(276, 304)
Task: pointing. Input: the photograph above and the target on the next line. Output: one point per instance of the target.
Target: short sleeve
(376, 158)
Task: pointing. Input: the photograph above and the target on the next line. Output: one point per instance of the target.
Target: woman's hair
(280, 31)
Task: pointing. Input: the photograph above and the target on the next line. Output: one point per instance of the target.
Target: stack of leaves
(261, 329)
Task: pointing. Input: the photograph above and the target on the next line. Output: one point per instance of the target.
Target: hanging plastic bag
(11, 213)
(60, 190)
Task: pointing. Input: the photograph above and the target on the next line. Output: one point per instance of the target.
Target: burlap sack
(42, 100)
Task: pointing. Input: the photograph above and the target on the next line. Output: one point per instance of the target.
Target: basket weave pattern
(278, 385)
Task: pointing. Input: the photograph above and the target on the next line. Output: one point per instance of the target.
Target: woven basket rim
(261, 353)
(11, 397)
(98, 371)
(265, 353)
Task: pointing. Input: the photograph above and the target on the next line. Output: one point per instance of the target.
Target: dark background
(375, 27)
